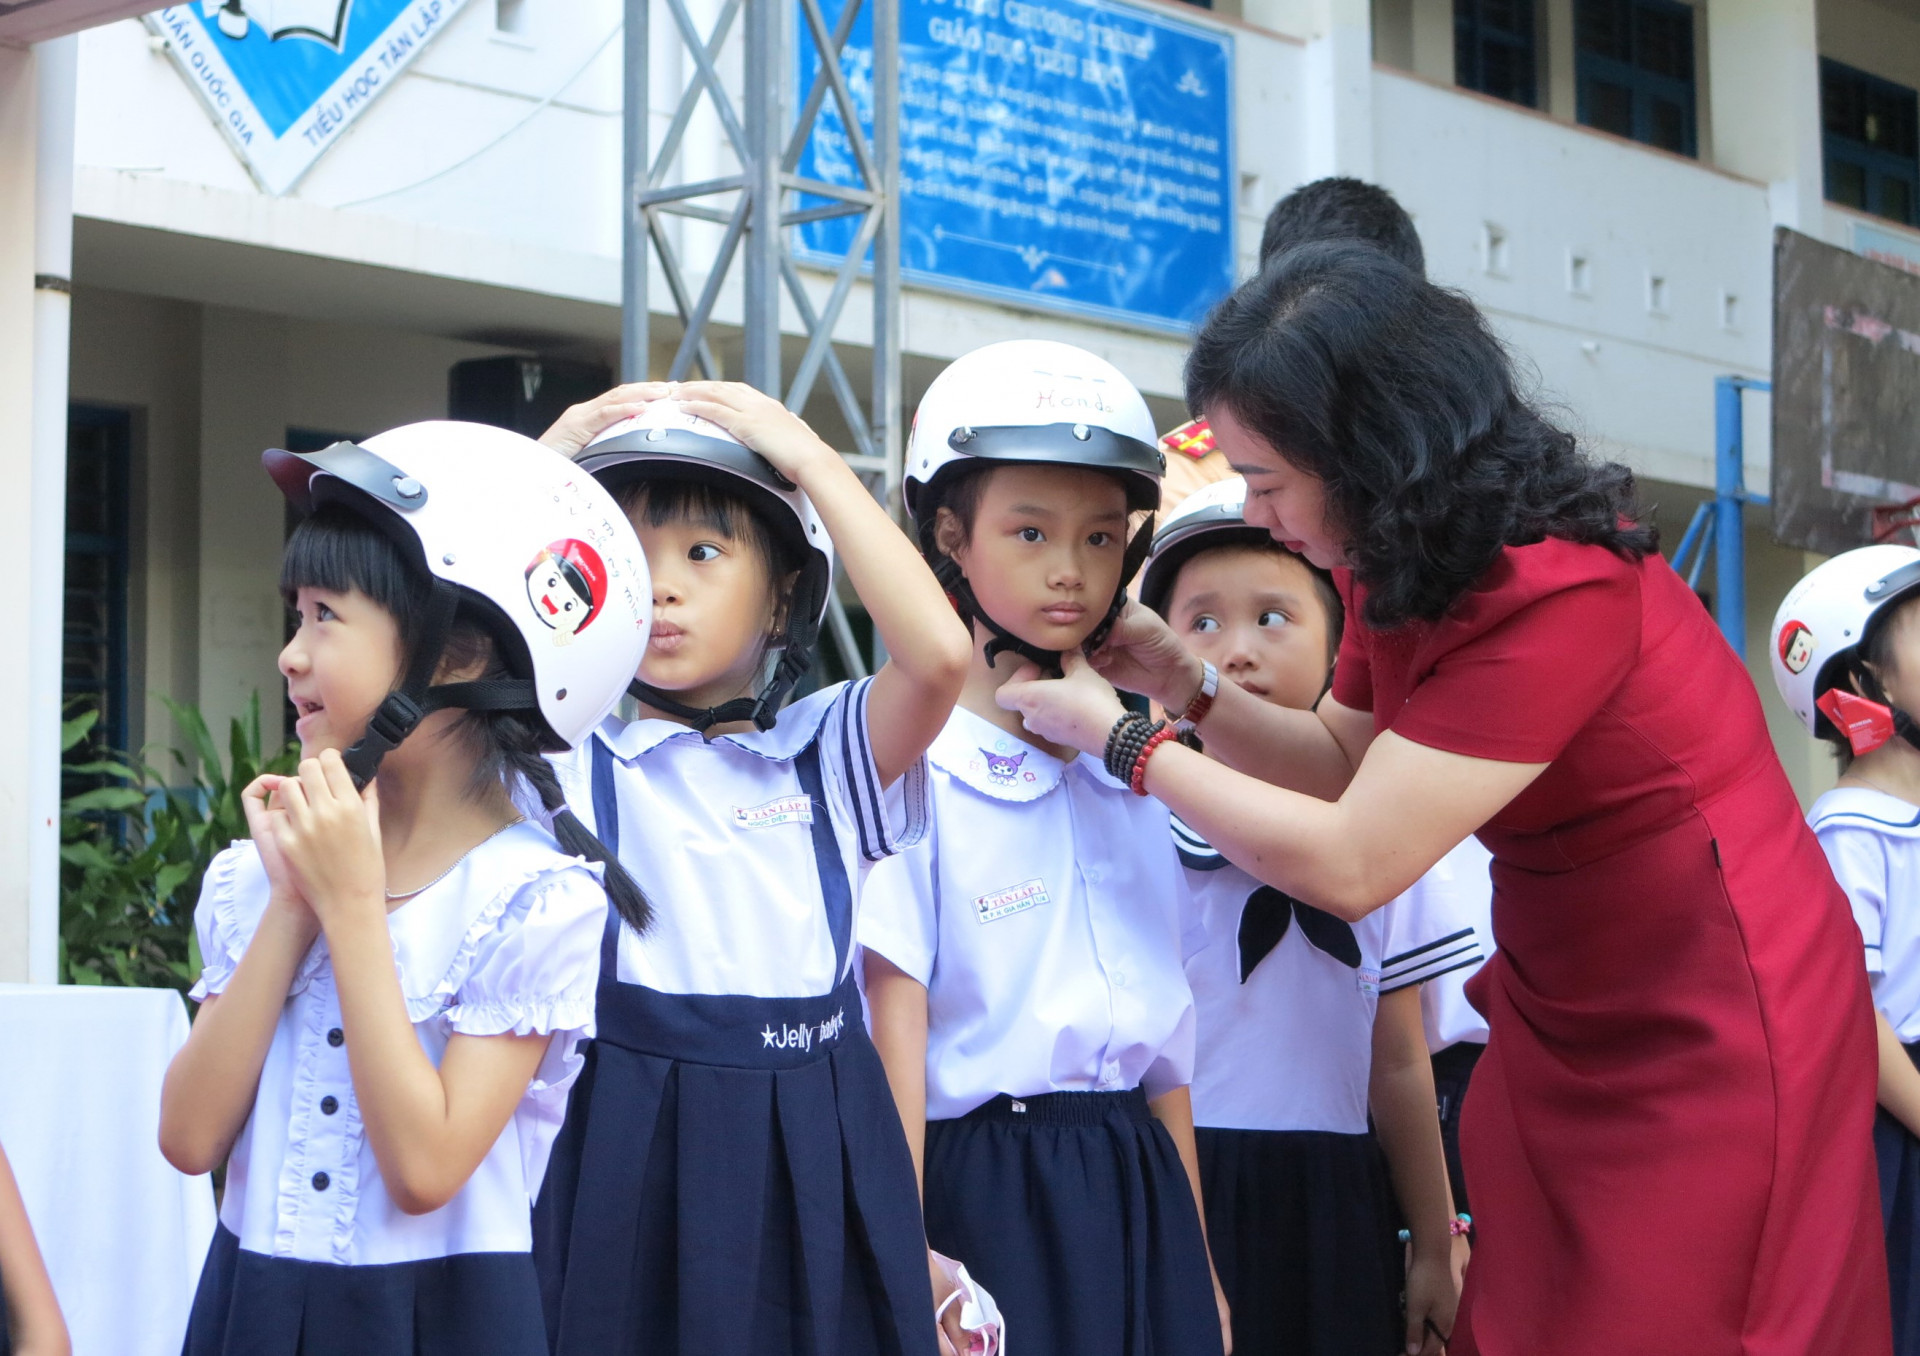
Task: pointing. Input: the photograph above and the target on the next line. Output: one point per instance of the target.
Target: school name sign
(284, 78)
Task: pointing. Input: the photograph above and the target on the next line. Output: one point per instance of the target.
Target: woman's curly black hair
(1398, 396)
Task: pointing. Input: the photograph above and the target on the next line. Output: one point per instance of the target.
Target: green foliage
(134, 845)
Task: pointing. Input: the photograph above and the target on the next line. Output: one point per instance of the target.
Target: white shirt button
(1120, 979)
(1095, 875)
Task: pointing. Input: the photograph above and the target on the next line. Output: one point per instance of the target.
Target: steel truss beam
(758, 208)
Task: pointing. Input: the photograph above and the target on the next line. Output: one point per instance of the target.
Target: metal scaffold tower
(757, 209)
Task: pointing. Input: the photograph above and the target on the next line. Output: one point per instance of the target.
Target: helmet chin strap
(796, 657)
(417, 697)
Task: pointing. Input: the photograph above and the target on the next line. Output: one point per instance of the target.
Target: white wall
(1639, 380)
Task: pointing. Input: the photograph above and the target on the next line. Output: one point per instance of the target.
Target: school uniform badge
(997, 904)
(567, 586)
(282, 79)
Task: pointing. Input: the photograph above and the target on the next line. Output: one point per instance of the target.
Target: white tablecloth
(123, 1233)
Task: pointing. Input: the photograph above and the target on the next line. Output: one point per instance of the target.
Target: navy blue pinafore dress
(732, 1179)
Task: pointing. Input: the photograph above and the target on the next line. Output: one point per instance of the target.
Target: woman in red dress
(1670, 1133)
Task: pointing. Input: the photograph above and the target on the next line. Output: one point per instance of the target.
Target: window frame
(1643, 86)
(1875, 164)
(1473, 34)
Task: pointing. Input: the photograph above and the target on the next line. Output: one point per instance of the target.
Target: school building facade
(1602, 176)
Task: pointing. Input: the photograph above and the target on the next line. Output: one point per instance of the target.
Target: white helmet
(664, 442)
(1214, 515)
(1033, 400)
(1827, 616)
(519, 534)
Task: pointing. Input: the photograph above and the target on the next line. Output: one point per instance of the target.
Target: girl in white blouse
(396, 978)
(1024, 961)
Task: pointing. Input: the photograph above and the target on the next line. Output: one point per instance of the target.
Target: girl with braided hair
(400, 967)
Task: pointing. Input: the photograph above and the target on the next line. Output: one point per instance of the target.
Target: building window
(1493, 49)
(1633, 63)
(1870, 143)
(94, 648)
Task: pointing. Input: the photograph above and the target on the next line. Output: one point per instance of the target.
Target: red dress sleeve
(1353, 667)
(1520, 663)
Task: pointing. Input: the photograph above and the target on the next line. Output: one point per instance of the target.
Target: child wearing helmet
(1305, 1023)
(397, 979)
(732, 1178)
(1846, 658)
(1024, 960)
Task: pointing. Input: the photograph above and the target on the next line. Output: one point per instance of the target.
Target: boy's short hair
(1340, 208)
(1257, 539)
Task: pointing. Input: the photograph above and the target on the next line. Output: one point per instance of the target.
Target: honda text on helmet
(664, 442)
(1820, 633)
(1033, 402)
(515, 535)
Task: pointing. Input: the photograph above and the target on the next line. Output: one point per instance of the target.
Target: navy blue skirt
(732, 1180)
(1898, 1153)
(1074, 1211)
(471, 1304)
(1303, 1234)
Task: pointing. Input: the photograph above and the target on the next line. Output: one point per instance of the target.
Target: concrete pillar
(243, 360)
(1763, 86)
(36, 154)
(17, 153)
(1337, 93)
(57, 70)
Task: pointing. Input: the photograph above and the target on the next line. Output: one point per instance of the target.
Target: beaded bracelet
(1127, 750)
(1120, 734)
(1162, 732)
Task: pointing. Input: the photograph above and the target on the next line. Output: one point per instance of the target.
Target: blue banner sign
(284, 78)
(1070, 154)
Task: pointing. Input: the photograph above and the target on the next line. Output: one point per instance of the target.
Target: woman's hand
(1142, 654)
(584, 422)
(1432, 1300)
(1077, 709)
(329, 836)
(759, 421)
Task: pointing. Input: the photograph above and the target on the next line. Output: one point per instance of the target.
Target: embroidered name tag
(805, 1036)
(786, 810)
(1013, 899)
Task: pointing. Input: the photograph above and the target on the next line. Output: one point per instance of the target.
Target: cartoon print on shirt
(1003, 768)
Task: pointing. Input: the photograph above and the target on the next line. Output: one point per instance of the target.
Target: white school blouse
(1285, 999)
(1448, 918)
(719, 833)
(1872, 841)
(508, 941)
(1047, 914)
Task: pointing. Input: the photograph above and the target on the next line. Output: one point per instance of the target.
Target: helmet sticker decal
(1796, 646)
(567, 586)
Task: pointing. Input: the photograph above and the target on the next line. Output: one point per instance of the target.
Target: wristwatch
(1203, 699)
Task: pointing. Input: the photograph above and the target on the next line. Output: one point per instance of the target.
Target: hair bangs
(339, 550)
